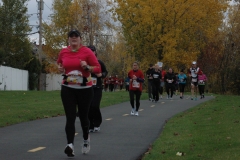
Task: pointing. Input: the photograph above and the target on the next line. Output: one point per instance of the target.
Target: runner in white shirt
(193, 73)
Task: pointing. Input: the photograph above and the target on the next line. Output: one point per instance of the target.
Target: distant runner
(193, 73)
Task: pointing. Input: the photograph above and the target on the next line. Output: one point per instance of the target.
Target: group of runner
(158, 78)
(112, 83)
(82, 87)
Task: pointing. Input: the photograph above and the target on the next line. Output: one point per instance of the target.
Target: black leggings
(171, 87)
(161, 90)
(181, 87)
(138, 95)
(82, 99)
(201, 89)
(155, 89)
(111, 87)
(94, 115)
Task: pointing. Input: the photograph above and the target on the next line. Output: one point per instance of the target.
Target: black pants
(105, 87)
(82, 99)
(121, 87)
(138, 95)
(150, 89)
(155, 89)
(161, 90)
(181, 87)
(171, 87)
(94, 115)
(127, 87)
(201, 89)
(111, 87)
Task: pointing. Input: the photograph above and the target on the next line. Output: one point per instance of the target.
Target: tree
(84, 15)
(14, 27)
(173, 31)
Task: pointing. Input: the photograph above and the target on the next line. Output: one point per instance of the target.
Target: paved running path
(122, 136)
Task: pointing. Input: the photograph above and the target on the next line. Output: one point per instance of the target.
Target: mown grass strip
(22, 106)
(208, 131)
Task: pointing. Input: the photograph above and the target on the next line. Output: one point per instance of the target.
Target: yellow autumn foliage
(172, 31)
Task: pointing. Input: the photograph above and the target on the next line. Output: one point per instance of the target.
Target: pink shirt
(71, 61)
(202, 77)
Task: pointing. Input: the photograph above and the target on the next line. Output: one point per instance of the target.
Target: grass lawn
(209, 131)
(22, 106)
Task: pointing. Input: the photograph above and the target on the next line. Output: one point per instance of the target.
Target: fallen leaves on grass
(149, 149)
(180, 154)
(175, 134)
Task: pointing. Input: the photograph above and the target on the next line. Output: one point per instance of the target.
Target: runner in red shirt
(120, 83)
(106, 84)
(111, 84)
(116, 81)
(162, 82)
(77, 62)
(135, 87)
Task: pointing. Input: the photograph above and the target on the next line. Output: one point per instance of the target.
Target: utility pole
(40, 9)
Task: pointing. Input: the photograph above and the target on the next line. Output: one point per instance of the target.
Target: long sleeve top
(75, 76)
(136, 85)
(97, 81)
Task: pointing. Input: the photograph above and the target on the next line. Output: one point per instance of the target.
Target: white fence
(12, 79)
(53, 82)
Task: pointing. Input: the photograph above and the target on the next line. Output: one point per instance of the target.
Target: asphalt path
(122, 136)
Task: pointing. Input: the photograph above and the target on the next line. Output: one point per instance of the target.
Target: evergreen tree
(15, 46)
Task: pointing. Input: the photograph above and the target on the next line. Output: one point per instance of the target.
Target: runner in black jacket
(170, 80)
(150, 80)
(157, 76)
(94, 115)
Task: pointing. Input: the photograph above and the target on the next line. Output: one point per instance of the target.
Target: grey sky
(34, 20)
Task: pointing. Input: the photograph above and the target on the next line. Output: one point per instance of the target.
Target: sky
(34, 20)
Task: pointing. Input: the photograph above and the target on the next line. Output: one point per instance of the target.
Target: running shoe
(69, 150)
(96, 129)
(91, 130)
(150, 99)
(191, 98)
(86, 146)
(203, 96)
(195, 98)
(136, 114)
(153, 100)
(133, 111)
(161, 97)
